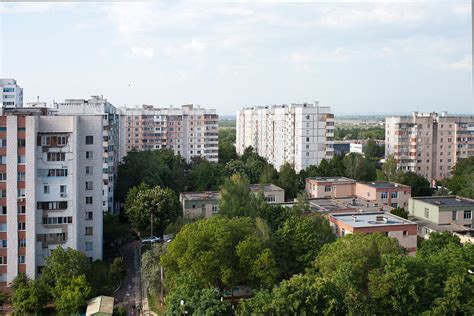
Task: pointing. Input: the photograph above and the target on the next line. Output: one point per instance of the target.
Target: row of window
(21, 243)
(57, 220)
(21, 209)
(467, 215)
(3, 260)
(21, 160)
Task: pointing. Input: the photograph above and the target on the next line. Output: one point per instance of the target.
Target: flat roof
(332, 179)
(439, 228)
(346, 204)
(450, 200)
(204, 195)
(371, 219)
(268, 187)
(383, 184)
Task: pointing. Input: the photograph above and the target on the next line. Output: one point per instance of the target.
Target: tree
(218, 252)
(70, 298)
(289, 181)
(359, 168)
(117, 270)
(388, 171)
(152, 167)
(151, 207)
(28, 297)
(189, 297)
(400, 211)
(236, 198)
(438, 241)
(151, 269)
(205, 175)
(63, 265)
(372, 150)
(116, 230)
(268, 175)
(299, 241)
(419, 185)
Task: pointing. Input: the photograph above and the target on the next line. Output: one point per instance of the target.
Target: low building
(379, 192)
(100, 306)
(442, 213)
(384, 192)
(206, 203)
(403, 230)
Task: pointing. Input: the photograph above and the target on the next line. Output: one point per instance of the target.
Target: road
(130, 293)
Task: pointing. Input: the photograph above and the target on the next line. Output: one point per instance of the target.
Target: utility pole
(151, 221)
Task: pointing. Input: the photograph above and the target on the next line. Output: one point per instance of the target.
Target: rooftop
(204, 195)
(446, 200)
(375, 219)
(100, 305)
(383, 184)
(439, 228)
(269, 187)
(332, 179)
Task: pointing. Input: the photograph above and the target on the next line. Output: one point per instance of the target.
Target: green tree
(116, 230)
(359, 168)
(299, 241)
(226, 153)
(215, 252)
(289, 181)
(71, 298)
(268, 175)
(259, 304)
(372, 150)
(419, 185)
(388, 171)
(28, 297)
(400, 211)
(117, 270)
(236, 198)
(151, 206)
(438, 241)
(151, 269)
(205, 175)
(190, 297)
(63, 265)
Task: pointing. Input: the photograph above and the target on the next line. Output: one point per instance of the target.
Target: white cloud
(194, 46)
(462, 9)
(33, 7)
(145, 52)
(463, 64)
(303, 60)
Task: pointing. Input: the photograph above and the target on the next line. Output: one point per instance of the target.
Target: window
(46, 189)
(21, 159)
(3, 193)
(343, 232)
(89, 185)
(3, 160)
(88, 246)
(89, 170)
(88, 199)
(89, 154)
(467, 215)
(384, 195)
(427, 212)
(89, 231)
(327, 188)
(405, 233)
(89, 215)
(56, 156)
(63, 190)
(3, 260)
(215, 209)
(394, 195)
(21, 176)
(22, 243)
(3, 142)
(270, 198)
(21, 142)
(62, 140)
(89, 140)
(21, 209)
(3, 227)
(3, 176)
(21, 193)
(21, 259)
(454, 215)
(21, 226)
(3, 243)
(3, 210)
(57, 173)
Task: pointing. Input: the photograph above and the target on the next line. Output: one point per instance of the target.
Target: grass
(154, 304)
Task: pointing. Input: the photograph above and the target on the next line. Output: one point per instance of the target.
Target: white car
(151, 240)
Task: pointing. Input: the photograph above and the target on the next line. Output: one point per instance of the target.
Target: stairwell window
(467, 215)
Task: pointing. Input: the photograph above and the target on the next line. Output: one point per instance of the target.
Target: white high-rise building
(50, 188)
(190, 131)
(100, 107)
(11, 94)
(429, 144)
(300, 134)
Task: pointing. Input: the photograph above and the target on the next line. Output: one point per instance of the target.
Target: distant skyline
(359, 58)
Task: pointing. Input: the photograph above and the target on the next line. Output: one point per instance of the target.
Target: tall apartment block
(429, 144)
(98, 106)
(189, 131)
(300, 134)
(11, 94)
(50, 172)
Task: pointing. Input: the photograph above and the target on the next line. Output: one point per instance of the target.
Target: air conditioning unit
(21, 199)
(63, 194)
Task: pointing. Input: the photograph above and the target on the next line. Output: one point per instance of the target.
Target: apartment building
(190, 131)
(11, 94)
(378, 193)
(98, 106)
(206, 203)
(50, 172)
(300, 134)
(442, 213)
(429, 144)
(403, 230)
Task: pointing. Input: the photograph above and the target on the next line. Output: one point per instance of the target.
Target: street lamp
(470, 271)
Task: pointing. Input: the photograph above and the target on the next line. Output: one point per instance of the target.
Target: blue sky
(360, 58)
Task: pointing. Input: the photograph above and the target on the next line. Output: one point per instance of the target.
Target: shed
(100, 306)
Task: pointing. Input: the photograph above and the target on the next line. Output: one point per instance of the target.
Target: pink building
(334, 187)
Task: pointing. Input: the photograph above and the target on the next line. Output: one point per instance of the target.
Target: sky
(379, 57)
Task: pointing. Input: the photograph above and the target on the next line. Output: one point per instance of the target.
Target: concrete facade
(403, 230)
(45, 200)
(189, 131)
(11, 94)
(429, 144)
(299, 134)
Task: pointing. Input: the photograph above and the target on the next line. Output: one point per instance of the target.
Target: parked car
(151, 240)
